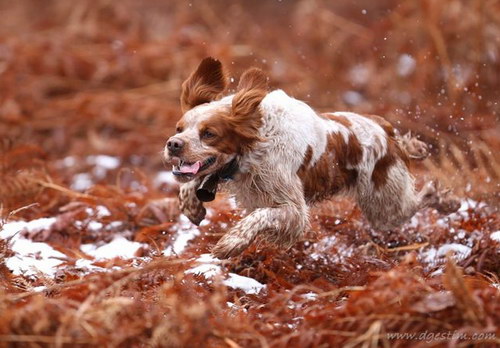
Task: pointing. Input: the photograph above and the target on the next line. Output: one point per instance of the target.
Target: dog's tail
(414, 148)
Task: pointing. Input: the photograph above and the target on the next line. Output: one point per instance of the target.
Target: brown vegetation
(83, 79)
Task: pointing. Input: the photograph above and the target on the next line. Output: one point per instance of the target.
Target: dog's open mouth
(187, 169)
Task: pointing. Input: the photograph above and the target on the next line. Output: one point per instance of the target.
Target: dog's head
(214, 131)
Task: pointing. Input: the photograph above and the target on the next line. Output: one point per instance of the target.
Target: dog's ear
(252, 88)
(245, 117)
(253, 78)
(204, 85)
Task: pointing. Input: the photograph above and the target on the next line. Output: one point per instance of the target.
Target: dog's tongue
(190, 168)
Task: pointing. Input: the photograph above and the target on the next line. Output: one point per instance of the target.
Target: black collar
(227, 172)
(207, 189)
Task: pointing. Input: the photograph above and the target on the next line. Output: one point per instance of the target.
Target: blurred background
(90, 231)
(80, 78)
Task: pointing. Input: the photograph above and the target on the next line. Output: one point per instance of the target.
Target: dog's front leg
(190, 205)
(282, 225)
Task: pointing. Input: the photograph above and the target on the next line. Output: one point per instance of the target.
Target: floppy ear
(245, 117)
(252, 88)
(253, 78)
(204, 85)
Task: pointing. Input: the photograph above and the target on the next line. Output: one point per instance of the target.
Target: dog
(285, 157)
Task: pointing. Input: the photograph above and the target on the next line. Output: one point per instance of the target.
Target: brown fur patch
(225, 138)
(307, 157)
(204, 85)
(339, 119)
(330, 174)
(381, 170)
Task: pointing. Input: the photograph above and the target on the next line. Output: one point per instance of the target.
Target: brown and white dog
(288, 157)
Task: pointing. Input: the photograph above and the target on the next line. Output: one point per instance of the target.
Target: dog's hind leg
(395, 201)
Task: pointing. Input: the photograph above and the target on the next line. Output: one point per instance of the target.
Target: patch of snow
(437, 272)
(118, 247)
(323, 250)
(462, 213)
(30, 257)
(94, 225)
(210, 268)
(414, 221)
(81, 182)
(248, 285)
(11, 228)
(165, 177)
(406, 65)
(360, 74)
(460, 252)
(114, 224)
(310, 296)
(495, 236)
(88, 266)
(104, 161)
(185, 232)
(352, 97)
(69, 161)
(102, 211)
(33, 257)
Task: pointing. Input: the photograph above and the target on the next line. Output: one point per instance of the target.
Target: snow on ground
(165, 177)
(104, 161)
(433, 255)
(81, 182)
(185, 231)
(118, 247)
(495, 236)
(30, 258)
(209, 268)
(248, 285)
(324, 247)
(436, 255)
(462, 213)
(102, 164)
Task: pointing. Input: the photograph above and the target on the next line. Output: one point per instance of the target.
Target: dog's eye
(206, 134)
(178, 130)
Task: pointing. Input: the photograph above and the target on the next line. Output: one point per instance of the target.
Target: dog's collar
(229, 170)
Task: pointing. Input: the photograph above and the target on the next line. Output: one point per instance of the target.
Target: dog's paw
(195, 214)
(440, 199)
(229, 245)
(448, 202)
(429, 194)
(415, 148)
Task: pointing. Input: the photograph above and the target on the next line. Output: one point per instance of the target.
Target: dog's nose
(175, 145)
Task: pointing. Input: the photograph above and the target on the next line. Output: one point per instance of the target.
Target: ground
(93, 249)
